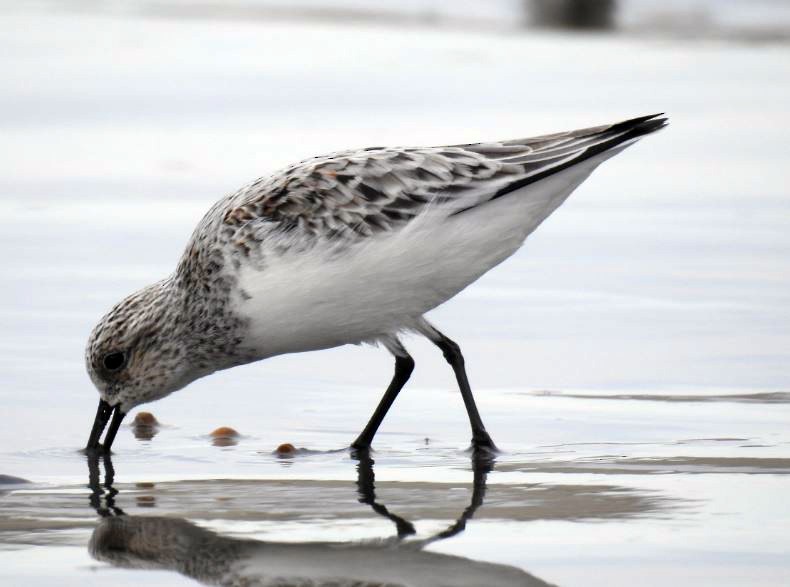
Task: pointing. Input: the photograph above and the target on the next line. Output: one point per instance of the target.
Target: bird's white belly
(312, 300)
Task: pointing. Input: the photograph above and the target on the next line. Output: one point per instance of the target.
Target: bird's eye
(114, 361)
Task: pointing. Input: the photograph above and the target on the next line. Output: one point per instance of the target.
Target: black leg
(404, 365)
(452, 352)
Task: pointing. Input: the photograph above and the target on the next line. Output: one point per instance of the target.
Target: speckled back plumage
(360, 193)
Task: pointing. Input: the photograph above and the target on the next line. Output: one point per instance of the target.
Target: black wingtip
(611, 137)
(641, 125)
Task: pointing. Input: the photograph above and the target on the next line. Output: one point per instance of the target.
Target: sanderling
(347, 248)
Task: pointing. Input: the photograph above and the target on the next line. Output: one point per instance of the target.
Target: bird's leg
(452, 353)
(404, 365)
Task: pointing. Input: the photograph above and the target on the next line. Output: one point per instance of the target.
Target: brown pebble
(224, 432)
(285, 448)
(145, 419)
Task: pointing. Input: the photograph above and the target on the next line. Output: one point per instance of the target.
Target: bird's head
(136, 354)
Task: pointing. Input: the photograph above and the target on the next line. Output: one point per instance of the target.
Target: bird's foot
(482, 444)
(359, 449)
(96, 451)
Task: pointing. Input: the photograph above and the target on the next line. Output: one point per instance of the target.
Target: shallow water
(646, 491)
(630, 361)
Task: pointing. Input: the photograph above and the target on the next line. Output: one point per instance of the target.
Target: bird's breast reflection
(170, 543)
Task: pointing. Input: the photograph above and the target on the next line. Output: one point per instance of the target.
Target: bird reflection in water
(168, 543)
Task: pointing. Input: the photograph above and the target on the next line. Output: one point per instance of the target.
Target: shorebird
(351, 247)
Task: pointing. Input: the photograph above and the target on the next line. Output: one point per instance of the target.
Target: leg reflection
(482, 464)
(366, 487)
(99, 491)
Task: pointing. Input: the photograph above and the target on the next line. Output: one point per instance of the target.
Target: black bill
(100, 422)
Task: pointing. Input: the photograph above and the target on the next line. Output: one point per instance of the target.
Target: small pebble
(285, 448)
(224, 432)
(145, 419)
(224, 436)
(145, 426)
